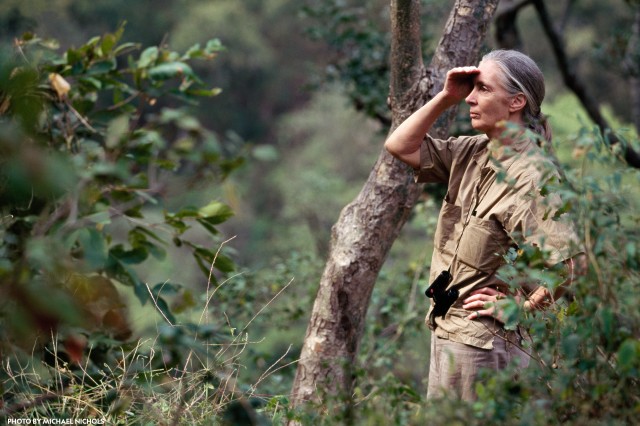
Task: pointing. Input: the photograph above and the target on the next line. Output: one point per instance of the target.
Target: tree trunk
(367, 227)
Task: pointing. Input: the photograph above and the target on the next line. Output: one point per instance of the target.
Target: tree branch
(507, 34)
(576, 85)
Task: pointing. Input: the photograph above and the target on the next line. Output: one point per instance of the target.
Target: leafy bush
(96, 144)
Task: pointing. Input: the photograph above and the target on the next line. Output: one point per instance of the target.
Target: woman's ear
(517, 102)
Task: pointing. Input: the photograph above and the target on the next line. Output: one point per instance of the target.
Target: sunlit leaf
(216, 212)
(214, 45)
(204, 92)
(125, 47)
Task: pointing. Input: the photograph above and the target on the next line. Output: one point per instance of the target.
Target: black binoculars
(443, 298)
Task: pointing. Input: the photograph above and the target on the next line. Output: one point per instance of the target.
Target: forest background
(297, 125)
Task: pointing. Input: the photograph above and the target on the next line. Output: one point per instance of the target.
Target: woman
(493, 203)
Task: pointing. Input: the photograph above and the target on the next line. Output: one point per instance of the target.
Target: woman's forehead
(490, 73)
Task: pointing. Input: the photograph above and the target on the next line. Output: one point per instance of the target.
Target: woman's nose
(471, 97)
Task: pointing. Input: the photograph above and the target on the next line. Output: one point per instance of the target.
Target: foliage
(94, 145)
(585, 349)
(361, 49)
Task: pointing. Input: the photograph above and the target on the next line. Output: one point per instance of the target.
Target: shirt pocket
(445, 231)
(483, 244)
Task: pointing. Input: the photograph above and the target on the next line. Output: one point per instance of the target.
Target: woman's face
(489, 102)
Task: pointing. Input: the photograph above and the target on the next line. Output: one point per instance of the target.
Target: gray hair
(522, 75)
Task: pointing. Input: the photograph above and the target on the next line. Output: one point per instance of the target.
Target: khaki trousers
(454, 366)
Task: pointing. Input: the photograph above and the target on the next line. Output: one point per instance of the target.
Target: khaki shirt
(495, 191)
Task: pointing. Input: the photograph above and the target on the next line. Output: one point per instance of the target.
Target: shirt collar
(499, 157)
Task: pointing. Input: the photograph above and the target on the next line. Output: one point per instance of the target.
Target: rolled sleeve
(435, 160)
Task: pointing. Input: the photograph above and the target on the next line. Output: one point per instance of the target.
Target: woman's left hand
(483, 302)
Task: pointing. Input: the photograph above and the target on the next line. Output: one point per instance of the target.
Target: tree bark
(367, 227)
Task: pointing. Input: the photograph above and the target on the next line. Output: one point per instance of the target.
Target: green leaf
(91, 82)
(164, 308)
(130, 257)
(205, 268)
(179, 225)
(629, 355)
(108, 42)
(73, 56)
(224, 263)
(93, 41)
(127, 276)
(102, 67)
(216, 212)
(93, 247)
(185, 212)
(169, 70)
(204, 93)
(166, 288)
(148, 57)
(124, 47)
(208, 226)
(214, 45)
(138, 239)
(148, 233)
(193, 52)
